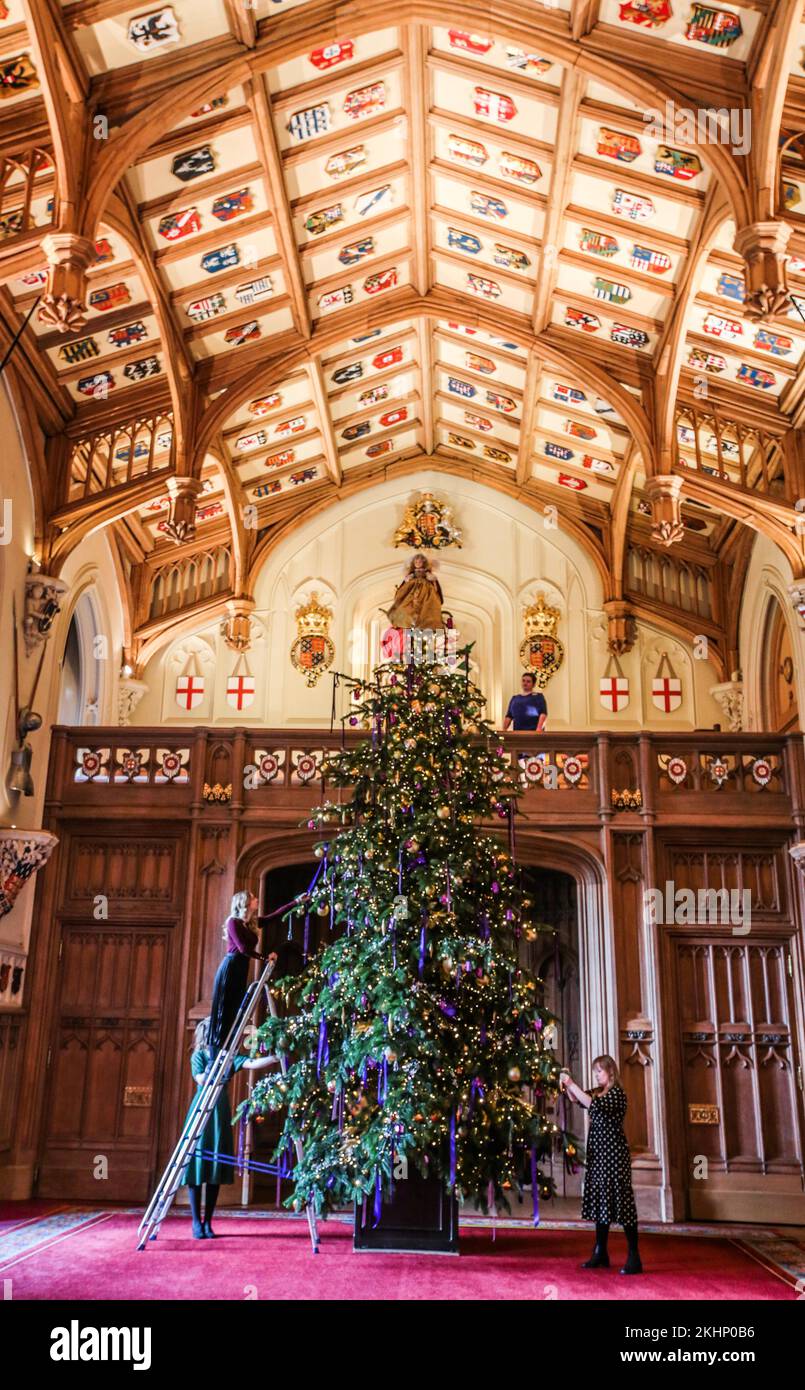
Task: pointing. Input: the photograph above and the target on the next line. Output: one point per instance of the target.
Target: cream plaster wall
(508, 555)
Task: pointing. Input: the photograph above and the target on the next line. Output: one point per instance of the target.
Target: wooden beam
(332, 460)
(528, 418)
(242, 22)
(417, 81)
(278, 197)
(425, 331)
(573, 85)
(65, 89)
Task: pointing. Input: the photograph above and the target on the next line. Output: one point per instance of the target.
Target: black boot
(599, 1258)
(211, 1197)
(194, 1194)
(633, 1263)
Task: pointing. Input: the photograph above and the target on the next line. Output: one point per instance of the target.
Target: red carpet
(267, 1258)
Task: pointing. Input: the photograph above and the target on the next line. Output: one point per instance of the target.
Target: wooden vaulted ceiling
(334, 240)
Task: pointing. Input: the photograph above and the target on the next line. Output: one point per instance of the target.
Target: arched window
(83, 665)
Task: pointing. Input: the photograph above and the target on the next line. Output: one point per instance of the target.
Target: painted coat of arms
(313, 651)
(541, 652)
(428, 524)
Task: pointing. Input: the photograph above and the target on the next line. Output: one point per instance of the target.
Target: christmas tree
(414, 1032)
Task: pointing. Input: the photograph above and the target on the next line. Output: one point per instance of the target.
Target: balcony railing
(568, 777)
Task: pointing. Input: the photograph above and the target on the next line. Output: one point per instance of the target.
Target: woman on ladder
(232, 975)
(208, 1166)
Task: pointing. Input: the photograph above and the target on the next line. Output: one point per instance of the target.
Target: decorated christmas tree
(414, 1032)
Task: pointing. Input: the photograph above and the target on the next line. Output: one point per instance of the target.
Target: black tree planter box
(420, 1216)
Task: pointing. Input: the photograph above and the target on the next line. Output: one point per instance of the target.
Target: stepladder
(191, 1139)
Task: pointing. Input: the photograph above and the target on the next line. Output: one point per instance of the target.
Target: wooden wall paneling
(108, 1059)
(733, 1022)
(637, 1025)
(12, 1023)
(167, 859)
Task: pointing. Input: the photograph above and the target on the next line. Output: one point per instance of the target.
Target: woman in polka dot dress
(608, 1195)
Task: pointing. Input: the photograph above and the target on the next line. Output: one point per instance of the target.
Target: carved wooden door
(740, 1080)
(105, 1064)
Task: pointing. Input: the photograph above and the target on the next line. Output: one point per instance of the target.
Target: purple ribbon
(452, 1148)
(306, 940)
(422, 948)
(400, 871)
(535, 1185)
(378, 1201)
(324, 1046)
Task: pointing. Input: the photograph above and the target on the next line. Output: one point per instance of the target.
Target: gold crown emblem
(541, 620)
(313, 618)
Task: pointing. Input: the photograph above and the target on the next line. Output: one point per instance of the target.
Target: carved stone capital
(729, 696)
(237, 626)
(43, 595)
(129, 694)
(69, 257)
(664, 492)
(797, 853)
(180, 523)
(763, 248)
(622, 629)
(797, 592)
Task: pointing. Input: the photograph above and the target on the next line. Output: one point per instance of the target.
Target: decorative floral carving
(763, 247)
(664, 493)
(730, 697)
(129, 694)
(180, 523)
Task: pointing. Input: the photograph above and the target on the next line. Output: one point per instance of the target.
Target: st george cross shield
(189, 691)
(613, 692)
(666, 689)
(240, 691)
(666, 693)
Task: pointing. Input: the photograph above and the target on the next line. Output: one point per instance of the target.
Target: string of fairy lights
(415, 1034)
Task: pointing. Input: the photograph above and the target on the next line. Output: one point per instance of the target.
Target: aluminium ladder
(209, 1092)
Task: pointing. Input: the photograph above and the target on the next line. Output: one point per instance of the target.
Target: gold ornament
(443, 813)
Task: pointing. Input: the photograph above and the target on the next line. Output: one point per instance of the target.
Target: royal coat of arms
(313, 652)
(428, 525)
(541, 652)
